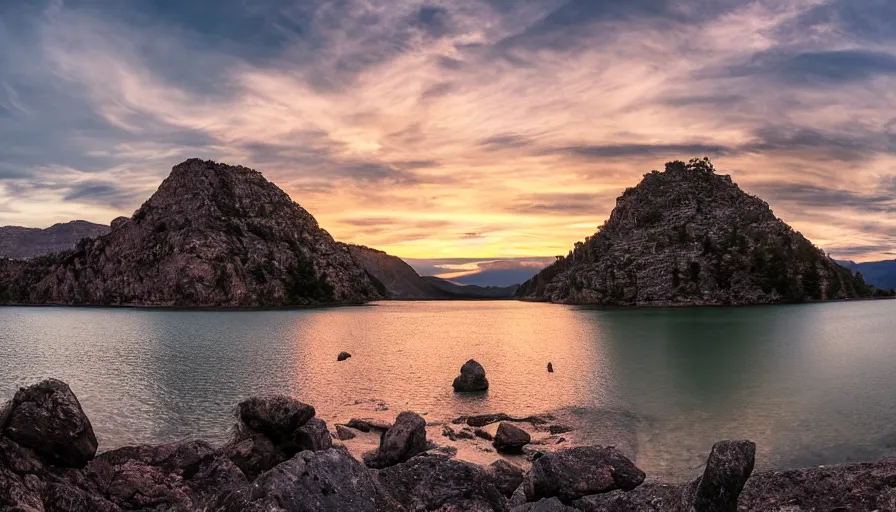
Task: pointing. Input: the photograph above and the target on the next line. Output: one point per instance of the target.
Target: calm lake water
(811, 384)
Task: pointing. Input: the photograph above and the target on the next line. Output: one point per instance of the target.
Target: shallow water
(811, 384)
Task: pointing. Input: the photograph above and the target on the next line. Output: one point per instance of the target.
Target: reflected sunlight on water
(810, 384)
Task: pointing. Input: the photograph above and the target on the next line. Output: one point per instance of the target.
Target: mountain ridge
(19, 242)
(690, 237)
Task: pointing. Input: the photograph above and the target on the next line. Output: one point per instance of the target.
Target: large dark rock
(436, 482)
(253, 453)
(729, 466)
(314, 436)
(471, 378)
(278, 416)
(310, 482)
(406, 438)
(573, 473)
(48, 418)
(507, 477)
(545, 505)
(510, 438)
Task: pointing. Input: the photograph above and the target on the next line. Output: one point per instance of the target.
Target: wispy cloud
(518, 121)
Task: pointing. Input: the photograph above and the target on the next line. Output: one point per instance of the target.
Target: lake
(810, 384)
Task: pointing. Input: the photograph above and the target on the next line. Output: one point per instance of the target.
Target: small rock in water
(550, 368)
(511, 439)
(471, 378)
(344, 433)
(343, 356)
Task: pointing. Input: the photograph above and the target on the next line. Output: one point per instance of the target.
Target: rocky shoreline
(283, 457)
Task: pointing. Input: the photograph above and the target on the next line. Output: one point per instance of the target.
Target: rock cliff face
(212, 235)
(19, 243)
(400, 280)
(688, 236)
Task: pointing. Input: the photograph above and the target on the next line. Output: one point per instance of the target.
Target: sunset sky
(477, 129)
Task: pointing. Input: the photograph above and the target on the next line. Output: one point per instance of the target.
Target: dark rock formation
(433, 481)
(48, 418)
(366, 425)
(314, 436)
(687, 236)
(550, 368)
(309, 482)
(482, 434)
(212, 235)
(471, 378)
(573, 473)
(406, 438)
(277, 417)
(545, 505)
(510, 438)
(506, 476)
(343, 356)
(400, 280)
(344, 433)
(727, 470)
(481, 420)
(21, 243)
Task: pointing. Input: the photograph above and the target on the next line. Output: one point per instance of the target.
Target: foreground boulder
(436, 482)
(510, 438)
(310, 482)
(314, 436)
(727, 470)
(277, 417)
(406, 438)
(48, 418)
(573, 473)
(471, 378)
(506, 476)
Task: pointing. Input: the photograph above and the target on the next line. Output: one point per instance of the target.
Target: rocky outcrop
(471, 378)
(193, 475)
(400, 280)
(406, 438)
(48, 418)
(22, 243)
(510, 438)
(212, 235)
(688, 236)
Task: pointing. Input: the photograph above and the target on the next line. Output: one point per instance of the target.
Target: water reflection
(811, 384)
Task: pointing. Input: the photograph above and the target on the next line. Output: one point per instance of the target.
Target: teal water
(811, 384)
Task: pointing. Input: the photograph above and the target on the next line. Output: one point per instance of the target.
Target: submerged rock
(406, 438)
(573, 473)
(510, 438)
(343, 356)
(48, 418)
(471, 378)
(436, 482)
(344, 433)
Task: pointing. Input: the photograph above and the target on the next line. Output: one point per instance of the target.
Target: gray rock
(314, 436)
(645, 498)
(434, 481)
(507, 476)
(20, 494)
(727, 470)
(344, 433)
(471, 378)
(510, 438)
(253, 453)
(310, 482)
(48, 418)
(406, 438)
(545, 505)
(573, 473)
(278, 417)
(343, 356)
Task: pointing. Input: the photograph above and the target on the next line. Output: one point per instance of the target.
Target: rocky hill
(689, 236)
(19, 243)
(400, 280)
(212, 235)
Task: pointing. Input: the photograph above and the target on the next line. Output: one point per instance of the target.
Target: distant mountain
(400, 280)
(19, 243)
(880, 274)
(688, 236)
(498, 277)
(461, 291)
(212, 235)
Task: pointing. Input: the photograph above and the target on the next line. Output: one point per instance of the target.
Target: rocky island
(690, 237)
(283, 458)
(212, 235)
